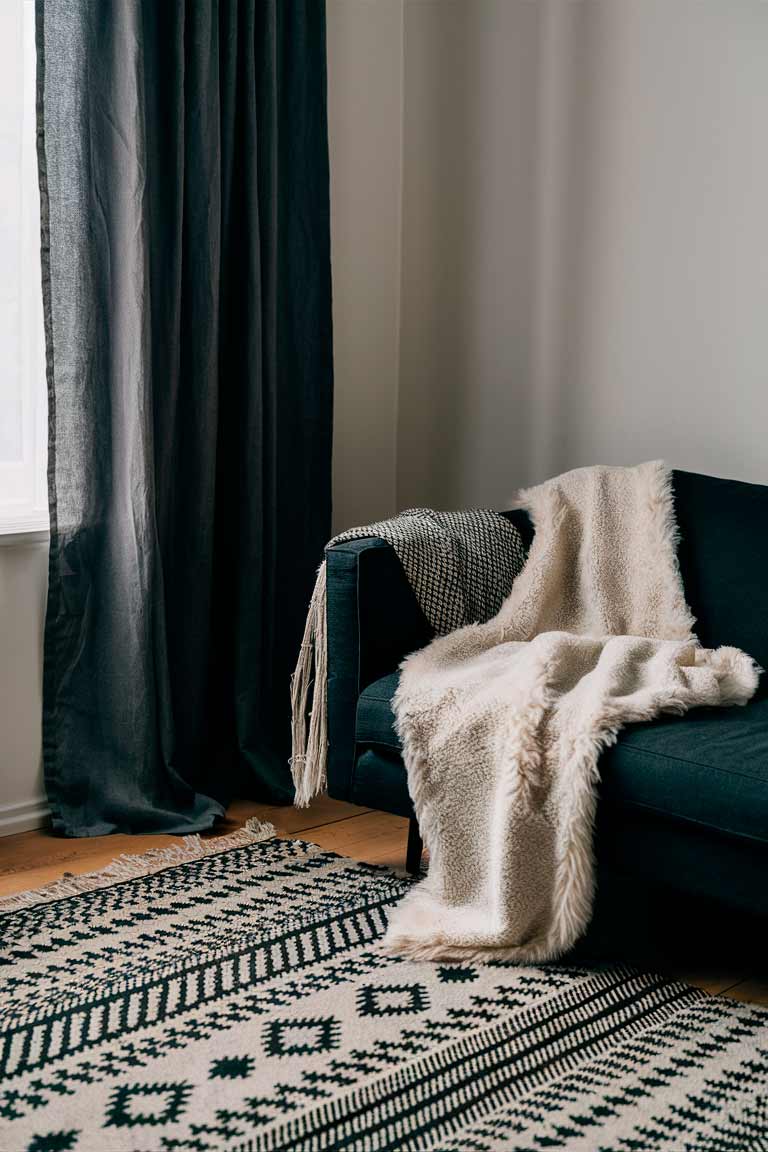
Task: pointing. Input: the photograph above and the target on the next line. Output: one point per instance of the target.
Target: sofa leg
(414, 849)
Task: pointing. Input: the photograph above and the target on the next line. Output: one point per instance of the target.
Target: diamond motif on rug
(133, 1104)
(301, 1037)
(391, 999)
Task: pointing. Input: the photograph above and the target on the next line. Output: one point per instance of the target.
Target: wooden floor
(32, 859)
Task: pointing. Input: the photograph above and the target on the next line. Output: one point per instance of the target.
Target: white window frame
(23, 480)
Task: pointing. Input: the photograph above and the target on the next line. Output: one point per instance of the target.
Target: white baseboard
(24, 816)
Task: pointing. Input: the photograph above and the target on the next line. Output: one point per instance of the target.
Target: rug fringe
(143, 864)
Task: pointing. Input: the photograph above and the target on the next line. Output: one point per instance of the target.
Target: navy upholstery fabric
(709, 767)
(723, 557)
(375, 720)
(374, 621)
(684, 800)
(379, 781)
(684, 856)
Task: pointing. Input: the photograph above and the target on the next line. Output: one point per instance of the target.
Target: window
(23, 415)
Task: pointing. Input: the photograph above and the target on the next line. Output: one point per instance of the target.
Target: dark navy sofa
(684, 800)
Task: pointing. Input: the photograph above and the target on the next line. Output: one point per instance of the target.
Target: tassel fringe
(129, 867)
(309, 749)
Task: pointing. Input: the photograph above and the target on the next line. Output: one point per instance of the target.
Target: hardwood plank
(753, 991)
(375, 837)
(31, 859)
(287, 819)
(713, 980)
(48, 857)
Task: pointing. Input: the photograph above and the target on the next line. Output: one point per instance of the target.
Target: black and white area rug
(234, 995)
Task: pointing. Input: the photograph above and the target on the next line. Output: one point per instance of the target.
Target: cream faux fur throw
(502, 723)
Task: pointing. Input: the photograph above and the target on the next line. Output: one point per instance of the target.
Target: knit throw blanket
(502, 723)
(461, 565)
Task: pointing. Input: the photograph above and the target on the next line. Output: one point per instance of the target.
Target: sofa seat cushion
(709, 767)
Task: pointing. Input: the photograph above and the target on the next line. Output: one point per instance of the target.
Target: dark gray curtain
(186, 278)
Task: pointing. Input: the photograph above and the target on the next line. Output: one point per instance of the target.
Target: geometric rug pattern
(237, 997)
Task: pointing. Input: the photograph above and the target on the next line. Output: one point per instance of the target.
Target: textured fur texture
(503, 723)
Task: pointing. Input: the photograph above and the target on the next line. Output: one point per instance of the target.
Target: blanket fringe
(309, 749)
(143, 864)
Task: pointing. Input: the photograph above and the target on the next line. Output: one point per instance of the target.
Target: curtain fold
(183, 159)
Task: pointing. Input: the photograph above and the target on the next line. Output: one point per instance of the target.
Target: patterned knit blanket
(502, 723)
(461, 565)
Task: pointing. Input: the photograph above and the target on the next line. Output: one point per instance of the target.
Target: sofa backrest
(723, 555)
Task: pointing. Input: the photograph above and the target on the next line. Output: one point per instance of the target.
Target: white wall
(585, 241)
(23, 581)
(663, 326)
(469, 169)
(365, 48)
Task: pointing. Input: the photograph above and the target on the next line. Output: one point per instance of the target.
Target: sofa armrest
(374, 622)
